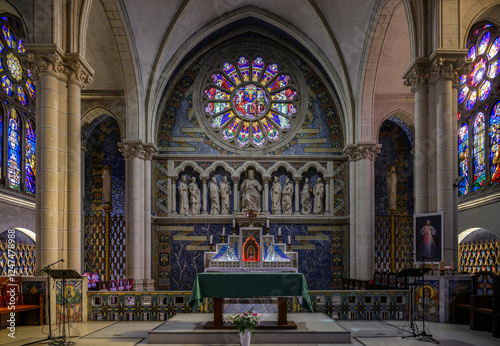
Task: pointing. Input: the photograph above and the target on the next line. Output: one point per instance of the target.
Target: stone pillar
(297, 180)
(362, 159)
(204, 196)
(236, 194)
(138, 219)
(58, 80)
(433, 81)
(173, 195)
(266, 194)
(327, 196)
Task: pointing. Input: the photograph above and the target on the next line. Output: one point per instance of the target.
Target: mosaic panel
(34, 287)
(403, 242)
(178, 252)
(426, 300)
(474, 257)
(72, 311)
(24, 259)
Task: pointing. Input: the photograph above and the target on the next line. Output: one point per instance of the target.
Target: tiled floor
(369, 333)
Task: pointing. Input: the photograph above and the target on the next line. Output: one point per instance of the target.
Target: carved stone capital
(447, 65)
(362, 150)
(236, 180)
(45, 63)
(266, 179)
(132, 148)
(204, 180)
(150, 151)
(297, 180)
(78, 74)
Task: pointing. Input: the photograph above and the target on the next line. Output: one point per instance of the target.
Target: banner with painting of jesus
(428, 229)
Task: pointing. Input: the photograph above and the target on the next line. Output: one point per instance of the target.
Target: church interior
(150, 150)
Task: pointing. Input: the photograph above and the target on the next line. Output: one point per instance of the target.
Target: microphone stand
(47, 297)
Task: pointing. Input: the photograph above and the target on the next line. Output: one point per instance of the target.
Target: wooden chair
(482, 309)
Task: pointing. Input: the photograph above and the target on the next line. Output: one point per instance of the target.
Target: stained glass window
(463, 158)
(479, 162)
(30, 156)
(250, 101)
(14, 150)
(17, 113)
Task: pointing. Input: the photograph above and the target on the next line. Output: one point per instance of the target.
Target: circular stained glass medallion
(14, 66)
(250, 102)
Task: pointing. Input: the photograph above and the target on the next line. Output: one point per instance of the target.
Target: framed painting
(428, 230)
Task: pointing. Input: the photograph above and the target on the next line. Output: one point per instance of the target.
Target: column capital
(204, 179)
(297, 180)
(362, 150)
(150, 151)
(448, 64)
(132, 148)
(43, 58)
(416, 74)
(236, 180)
(78, 70)
(266, 179)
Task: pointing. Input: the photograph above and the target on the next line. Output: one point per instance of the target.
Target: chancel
(317, 163)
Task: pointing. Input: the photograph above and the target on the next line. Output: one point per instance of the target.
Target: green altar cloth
(249, 285)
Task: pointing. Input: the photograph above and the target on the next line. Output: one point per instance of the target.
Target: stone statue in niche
(276, 196)
(183, 197)
(194, 197)
(225, 193)
(214, 197)
(392, 182)
(319, 193)
(251, 189)
(305, 198)
(287, 197)
(106, 183)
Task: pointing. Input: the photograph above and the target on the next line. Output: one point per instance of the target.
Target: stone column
(362, 158)
(58, 80)
(327, 195)
(297, 180)
(266, 194)
(204, 197)
(236, 194)
(138, 211)
(173, 195)
(416, 78)
(77, 77)
(149, 152)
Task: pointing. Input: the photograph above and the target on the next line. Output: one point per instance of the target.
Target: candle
(223, 231)
(452, 265)
(234, 223)
(289, 239)
(267, 223)
(441, 265)
(211, 239)
(279, 231)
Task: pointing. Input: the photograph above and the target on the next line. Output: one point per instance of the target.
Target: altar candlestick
(234, 223)
(223, 231)
(211, 239)
(453, 266)
(267, 223)
(289, 239)
(441, 265)
(279, 232)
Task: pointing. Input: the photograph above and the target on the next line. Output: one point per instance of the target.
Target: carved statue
(106, 183)
(305, 197)
(319, 193)
(183, 197)
(392, 181)
(276, 196)
(194, 197)
(214, 197)
(287, 197)
(225, 193)
(251, 189)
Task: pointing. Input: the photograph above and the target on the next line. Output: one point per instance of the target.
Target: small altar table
(250, 285)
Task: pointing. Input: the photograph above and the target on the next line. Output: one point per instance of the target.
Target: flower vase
(245, 338)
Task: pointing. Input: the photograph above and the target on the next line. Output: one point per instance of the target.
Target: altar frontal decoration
(250, 251)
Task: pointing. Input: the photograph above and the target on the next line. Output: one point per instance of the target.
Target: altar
(250, 285)
(250, 265)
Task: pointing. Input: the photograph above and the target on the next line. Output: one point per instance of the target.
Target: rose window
(250, 102)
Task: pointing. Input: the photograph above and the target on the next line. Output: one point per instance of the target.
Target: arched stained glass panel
(250, 101)
(463, 158)
(479, 162)
(30, 156)
(17, 95)
(495, 143)
(14, 150)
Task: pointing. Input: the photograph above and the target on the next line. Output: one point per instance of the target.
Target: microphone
(62, 259)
